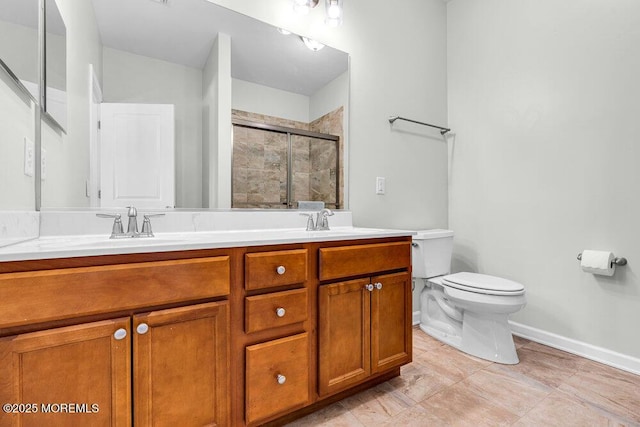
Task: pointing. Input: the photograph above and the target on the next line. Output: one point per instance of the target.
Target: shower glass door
(259, 168)
(314, 165)
(276, 167)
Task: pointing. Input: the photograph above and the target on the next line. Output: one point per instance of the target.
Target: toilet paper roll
(598, 262)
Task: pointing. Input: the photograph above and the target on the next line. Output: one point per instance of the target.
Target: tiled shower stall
(261, 156)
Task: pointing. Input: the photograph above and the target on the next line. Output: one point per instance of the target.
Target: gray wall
(544, 102)
(398, 70)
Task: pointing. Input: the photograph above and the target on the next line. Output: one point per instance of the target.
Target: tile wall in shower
(260, 162)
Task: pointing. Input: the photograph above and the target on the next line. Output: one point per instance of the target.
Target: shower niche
(279, 162)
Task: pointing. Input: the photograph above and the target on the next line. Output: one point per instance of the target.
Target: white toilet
(468, 311)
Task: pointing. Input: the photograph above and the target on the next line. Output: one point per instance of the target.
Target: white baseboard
(416, 318)
(592, 352)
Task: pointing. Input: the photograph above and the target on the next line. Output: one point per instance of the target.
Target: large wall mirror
(55, 72)
(19, 75)
(184, 103)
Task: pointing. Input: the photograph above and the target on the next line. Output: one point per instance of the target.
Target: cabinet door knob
(120, 334)
(280, 312)
(378, 286)
(281, 269)
(369, 287)
(142, 328)
(281, 379)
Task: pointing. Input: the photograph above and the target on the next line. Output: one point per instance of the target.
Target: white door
(137, 155)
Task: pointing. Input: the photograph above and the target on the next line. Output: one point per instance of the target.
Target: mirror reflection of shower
(279, 162)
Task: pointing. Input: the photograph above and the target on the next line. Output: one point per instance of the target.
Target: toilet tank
(431, 253)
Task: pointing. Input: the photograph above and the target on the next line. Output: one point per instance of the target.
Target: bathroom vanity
(208, 331)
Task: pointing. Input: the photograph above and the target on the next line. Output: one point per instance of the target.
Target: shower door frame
(289, 132)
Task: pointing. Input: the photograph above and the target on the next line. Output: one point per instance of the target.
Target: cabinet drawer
(346, 261)
(275, 309)
(278, 268)
(48, 295)
(277, 377)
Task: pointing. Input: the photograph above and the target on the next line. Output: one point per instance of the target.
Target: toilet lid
(483, 283)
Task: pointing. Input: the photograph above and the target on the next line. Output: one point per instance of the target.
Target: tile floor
(445, 387)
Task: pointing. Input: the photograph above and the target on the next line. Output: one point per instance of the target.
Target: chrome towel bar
(442, 129)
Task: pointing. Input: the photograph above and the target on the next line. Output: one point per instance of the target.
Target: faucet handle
(116, 230)
(146, 225)
(310, 225)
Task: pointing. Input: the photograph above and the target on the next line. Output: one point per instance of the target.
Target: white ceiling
(21, 12)
(183, 32)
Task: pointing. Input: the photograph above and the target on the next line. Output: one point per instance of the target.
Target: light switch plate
(380, 185)
(29, 157)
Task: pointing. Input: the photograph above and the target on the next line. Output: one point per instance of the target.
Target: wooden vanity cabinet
(163, 367)
(364, 324)
(228, 337)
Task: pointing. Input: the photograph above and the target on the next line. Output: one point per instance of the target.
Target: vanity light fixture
(334, 12)
(312, 44)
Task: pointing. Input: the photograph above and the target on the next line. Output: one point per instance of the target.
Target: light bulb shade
(333, 12)
(312, 44)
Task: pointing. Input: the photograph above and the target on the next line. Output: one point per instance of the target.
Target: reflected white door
(137, 165)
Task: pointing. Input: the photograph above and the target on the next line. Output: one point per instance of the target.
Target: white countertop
(66, 246)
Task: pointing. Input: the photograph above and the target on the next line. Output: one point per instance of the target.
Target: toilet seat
(483, 284)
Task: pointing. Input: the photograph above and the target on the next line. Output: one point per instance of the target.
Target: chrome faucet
(321, 223)
(132, 226)
(322, 220)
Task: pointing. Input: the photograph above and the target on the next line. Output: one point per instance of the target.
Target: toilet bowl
(468, 311)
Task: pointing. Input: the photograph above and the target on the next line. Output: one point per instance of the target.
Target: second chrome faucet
(117, 231)
(321, 222)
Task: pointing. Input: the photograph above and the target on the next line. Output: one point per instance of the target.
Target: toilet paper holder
(617, 261)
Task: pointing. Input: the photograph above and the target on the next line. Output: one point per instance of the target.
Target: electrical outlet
(380, 185)
(29, 157)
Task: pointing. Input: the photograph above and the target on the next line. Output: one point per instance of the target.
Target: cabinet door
(181, 366)
(390, 321)
(72, 376)
(343, 323)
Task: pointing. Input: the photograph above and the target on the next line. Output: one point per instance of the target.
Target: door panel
(137, 155)
(344, 329)
(181, 366)
(391, 321)
(83, 365)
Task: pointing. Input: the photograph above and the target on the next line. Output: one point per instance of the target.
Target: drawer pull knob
(378, 286)
(280, 312)
(281, 269)
(142, 328)
(120, 334)
(369, 287)
(281, 379)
